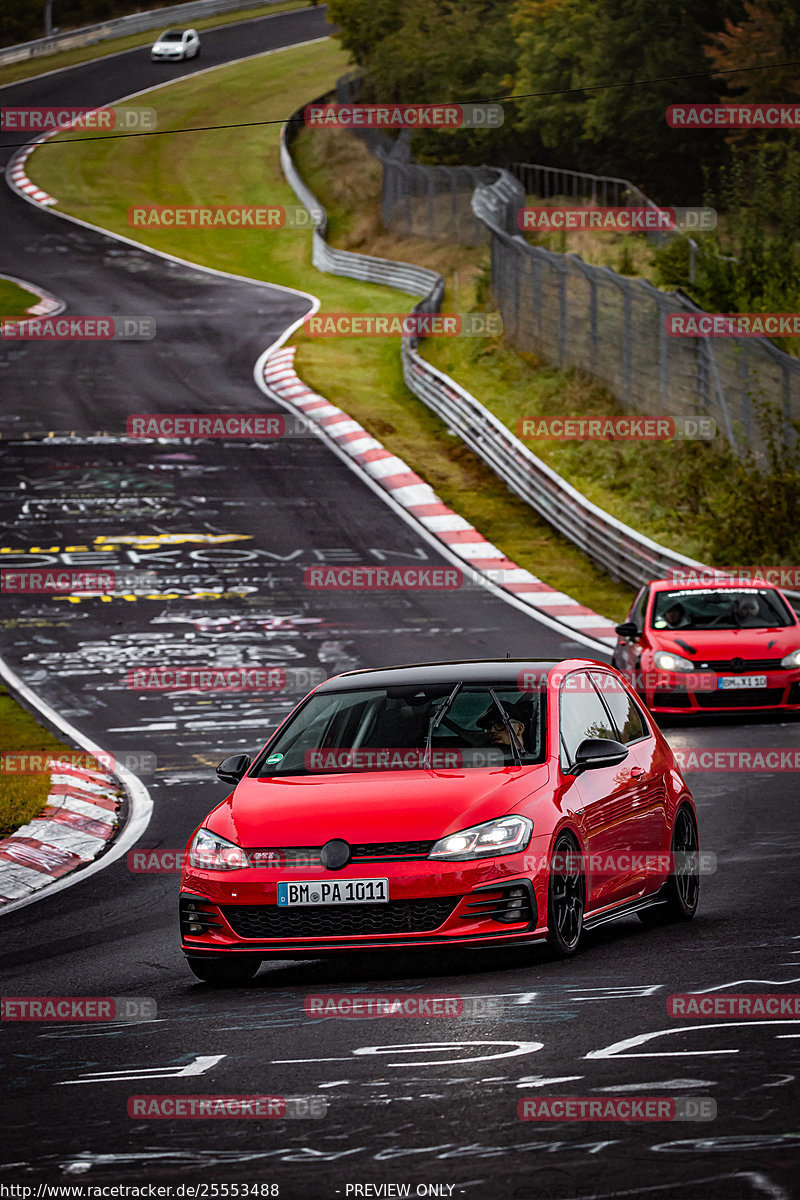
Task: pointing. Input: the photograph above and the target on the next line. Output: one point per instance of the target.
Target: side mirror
(628, 629)
(231, 770)
(598, 752)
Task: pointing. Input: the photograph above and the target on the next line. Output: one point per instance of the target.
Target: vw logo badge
(335, 854)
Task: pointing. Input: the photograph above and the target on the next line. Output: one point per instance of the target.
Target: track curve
(221, 518)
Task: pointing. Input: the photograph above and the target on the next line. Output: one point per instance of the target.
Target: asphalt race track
(229, 528)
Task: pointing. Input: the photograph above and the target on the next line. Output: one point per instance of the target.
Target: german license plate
(305, 892)
(726, 682)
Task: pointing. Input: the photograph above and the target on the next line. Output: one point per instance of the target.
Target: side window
(582, 715)
(639, 608)
(629, 722)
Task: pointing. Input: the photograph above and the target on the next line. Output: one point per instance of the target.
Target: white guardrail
(621, 551)
(156, 18)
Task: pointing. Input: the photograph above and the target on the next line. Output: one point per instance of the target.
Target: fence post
(627, 347)
(663, 353)
(746, 401)
(723, 404)
(562, 312)
(593, 319)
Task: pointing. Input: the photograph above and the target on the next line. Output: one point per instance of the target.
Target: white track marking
(615, 1050)
(201, 1064)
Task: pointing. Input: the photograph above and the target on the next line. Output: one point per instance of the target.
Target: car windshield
(171, 37)
(408, 727)
(710, 608)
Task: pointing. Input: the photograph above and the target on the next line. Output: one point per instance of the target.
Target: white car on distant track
(175, 45)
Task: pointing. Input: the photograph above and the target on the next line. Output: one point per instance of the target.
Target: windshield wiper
(435, 722)
(516, 748)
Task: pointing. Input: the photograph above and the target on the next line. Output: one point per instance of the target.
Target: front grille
(387, 850)
(665, 699)
(743, 666)
(265, 921)
(368, 852)
(794, 693)
(741, 698)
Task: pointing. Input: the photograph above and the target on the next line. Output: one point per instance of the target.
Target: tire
(682, 889)
(230, 971)
(566, 897)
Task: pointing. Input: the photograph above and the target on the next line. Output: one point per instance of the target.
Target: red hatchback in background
(448, 804)
(711, 647)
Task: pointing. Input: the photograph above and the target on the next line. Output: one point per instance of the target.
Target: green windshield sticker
(274, 758)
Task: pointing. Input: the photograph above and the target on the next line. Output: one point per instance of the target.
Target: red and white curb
(421, 502)
(47, 304)
(18, 178)
(81, 815)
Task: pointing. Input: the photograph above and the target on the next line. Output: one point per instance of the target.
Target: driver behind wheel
(495, 726)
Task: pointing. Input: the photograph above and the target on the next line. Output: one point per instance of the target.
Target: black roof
(489, 670)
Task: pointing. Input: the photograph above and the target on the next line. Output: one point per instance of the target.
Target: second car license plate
(333, 891)
(741, 681)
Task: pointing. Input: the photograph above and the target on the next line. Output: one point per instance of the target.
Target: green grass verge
(69, 58)
(15, 300)
(22, 797)
(100, 180)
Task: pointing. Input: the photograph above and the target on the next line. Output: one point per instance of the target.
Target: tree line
(577, 73)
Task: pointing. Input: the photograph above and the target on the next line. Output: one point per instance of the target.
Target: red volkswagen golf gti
(711, 647)
(448, 804)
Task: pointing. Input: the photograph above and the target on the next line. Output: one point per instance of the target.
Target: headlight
(210, 852)
(792, 659)
(665, 660)
(504, 836)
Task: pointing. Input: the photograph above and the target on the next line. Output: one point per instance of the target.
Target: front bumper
(677, 694)
(431, 904)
